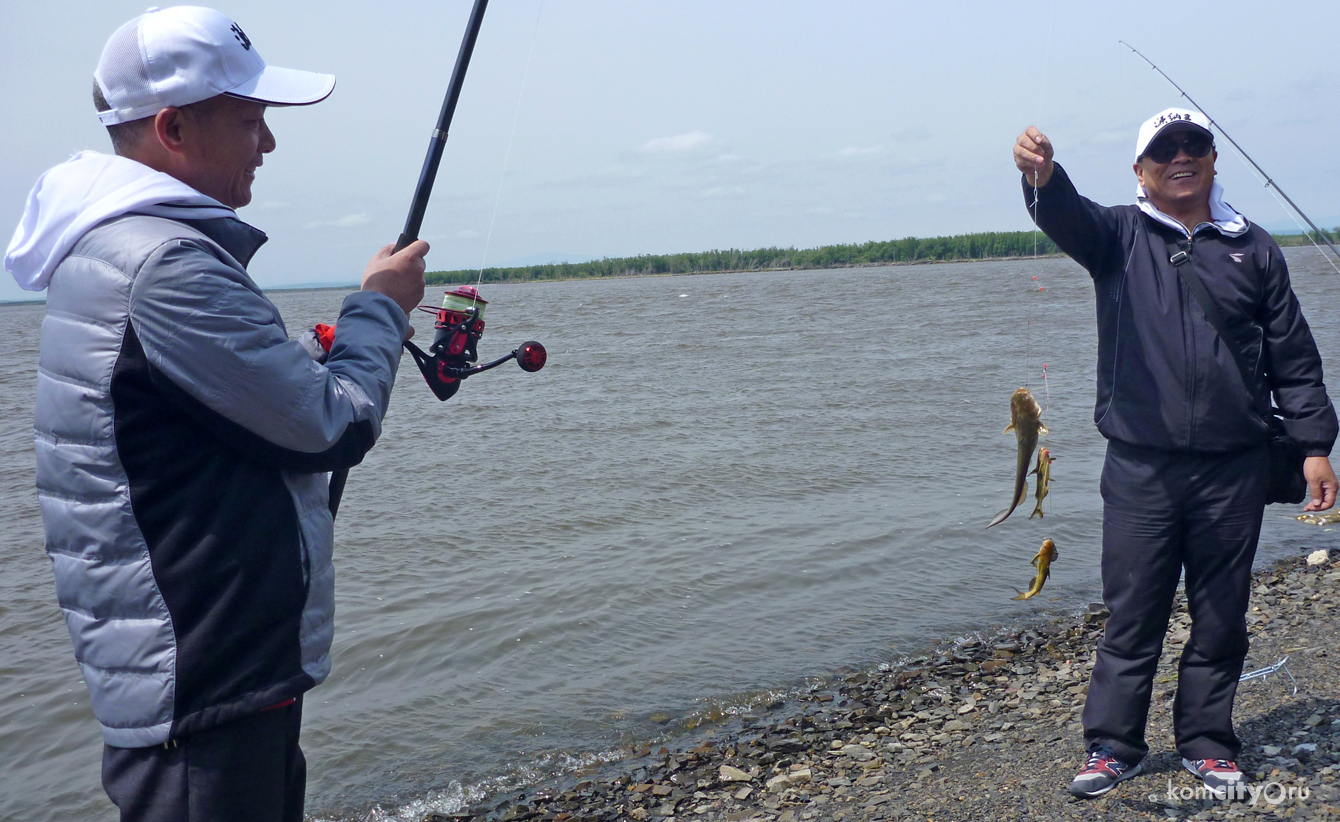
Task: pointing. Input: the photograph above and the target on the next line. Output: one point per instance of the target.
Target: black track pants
(248, 770)
(1162, 513)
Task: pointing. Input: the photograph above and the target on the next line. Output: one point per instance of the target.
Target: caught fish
(1024, 422)
(1320, 519)
(1044, 472)
(1043, 562)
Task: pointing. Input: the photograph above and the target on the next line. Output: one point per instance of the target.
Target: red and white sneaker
(1219, 775)
(1101, 773)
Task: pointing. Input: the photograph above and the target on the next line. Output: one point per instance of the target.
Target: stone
(778, 783)
(857, 752)
(743, 793)
(1319, 557)
(729, 773)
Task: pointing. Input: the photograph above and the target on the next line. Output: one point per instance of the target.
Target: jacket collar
(234, 236)
(1225, 218)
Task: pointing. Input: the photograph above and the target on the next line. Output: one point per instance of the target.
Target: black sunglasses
(1196, 144)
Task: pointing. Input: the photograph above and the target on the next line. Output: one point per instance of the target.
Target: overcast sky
(650, 127)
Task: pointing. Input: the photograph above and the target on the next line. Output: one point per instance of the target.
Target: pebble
(982, 728)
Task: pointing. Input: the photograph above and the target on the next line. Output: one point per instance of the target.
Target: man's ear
(169, 128)
(1139, 172)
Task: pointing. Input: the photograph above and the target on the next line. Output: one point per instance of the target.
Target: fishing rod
(1269, 182)
(460, 320)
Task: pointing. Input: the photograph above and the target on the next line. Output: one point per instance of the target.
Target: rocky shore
(989, 730)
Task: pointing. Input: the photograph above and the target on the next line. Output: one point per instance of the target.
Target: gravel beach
(989, 729)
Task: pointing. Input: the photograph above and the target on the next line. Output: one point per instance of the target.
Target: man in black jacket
(1184, 482)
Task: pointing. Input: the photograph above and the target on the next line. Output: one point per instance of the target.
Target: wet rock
(729, 773)
(857, 752)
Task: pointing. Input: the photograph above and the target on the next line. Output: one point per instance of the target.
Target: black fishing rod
(1269, 182)
(460, 321)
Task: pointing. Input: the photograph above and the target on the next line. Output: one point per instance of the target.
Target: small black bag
(1287, 483)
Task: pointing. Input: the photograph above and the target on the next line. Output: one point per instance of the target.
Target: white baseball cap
(1176, 119)
(185, 54)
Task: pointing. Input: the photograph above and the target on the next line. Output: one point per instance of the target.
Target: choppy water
(720, 485)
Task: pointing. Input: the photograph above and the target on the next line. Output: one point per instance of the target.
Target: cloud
(856, 152)
(677, 143)
(273, 205)
(347, 221)
(467, 234)
(721, 191)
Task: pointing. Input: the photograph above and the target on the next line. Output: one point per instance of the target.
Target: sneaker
(1219, 775)
(1101, 773)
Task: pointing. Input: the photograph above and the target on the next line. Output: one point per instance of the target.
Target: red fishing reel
(451, 357)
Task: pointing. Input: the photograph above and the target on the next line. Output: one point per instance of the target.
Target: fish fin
(1021, 594)
(1008, 428)
(1037, 512)
(1023, 495)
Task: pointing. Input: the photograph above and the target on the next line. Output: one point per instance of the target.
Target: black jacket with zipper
(1165, 379)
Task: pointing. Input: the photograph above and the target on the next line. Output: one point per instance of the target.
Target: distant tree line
(990, 245)
(984, 246)
(1306, 239)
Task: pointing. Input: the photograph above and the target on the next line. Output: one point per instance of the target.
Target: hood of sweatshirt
(88, 189)
(1225, 217)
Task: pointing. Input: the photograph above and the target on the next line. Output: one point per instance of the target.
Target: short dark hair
(124, 135)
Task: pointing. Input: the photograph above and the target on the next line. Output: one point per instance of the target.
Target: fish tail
(1037, 512)
(1002, 515)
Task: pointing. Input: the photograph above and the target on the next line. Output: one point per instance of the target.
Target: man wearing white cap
(1185, 410)
(183, 440)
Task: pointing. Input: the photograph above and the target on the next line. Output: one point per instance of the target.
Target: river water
(720, 487)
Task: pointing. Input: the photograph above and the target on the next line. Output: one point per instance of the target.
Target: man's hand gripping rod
(445, 377)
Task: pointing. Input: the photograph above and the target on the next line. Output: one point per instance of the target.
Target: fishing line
(1310, 236)
(1042, 94)
(1319, 234)
(507, 156)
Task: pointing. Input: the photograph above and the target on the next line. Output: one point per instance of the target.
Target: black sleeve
(1292, 362)
(1088, 232)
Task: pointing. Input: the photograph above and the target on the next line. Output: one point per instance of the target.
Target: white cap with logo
(185, 54)
(1179, 119)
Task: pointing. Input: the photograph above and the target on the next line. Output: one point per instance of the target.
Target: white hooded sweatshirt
(88, 189)
(1224, 216)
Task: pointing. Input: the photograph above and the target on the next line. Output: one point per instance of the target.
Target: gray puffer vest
(182, 443)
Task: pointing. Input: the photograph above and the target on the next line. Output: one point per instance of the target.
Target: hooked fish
(1331, 518)
(1026, 425)
(1043, 562)
(1044, 472)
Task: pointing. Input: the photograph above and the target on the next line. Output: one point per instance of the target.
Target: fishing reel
(451, 357)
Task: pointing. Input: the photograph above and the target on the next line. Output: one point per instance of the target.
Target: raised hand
(1033, 156)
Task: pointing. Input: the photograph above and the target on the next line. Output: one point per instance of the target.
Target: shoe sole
(1132, 771)
(1218, 792)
